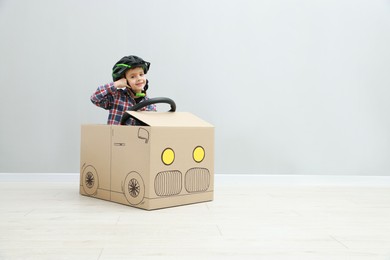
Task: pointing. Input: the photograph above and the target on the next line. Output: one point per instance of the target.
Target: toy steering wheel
(148, 102)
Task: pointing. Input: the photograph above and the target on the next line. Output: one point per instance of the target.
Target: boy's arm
(103, 96)
(151, 107)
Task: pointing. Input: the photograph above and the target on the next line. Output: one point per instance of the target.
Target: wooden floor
(42, 216)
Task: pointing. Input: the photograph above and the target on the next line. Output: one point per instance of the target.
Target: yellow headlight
(198, 154)
(168, 156)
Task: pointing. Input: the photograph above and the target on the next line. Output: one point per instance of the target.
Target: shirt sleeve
(103, 96)
(151, 107)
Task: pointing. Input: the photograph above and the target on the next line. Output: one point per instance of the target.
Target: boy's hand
(121, 83)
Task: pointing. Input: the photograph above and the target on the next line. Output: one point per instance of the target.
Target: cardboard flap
(177, 119)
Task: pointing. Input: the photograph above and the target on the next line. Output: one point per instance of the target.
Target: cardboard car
(165, 160)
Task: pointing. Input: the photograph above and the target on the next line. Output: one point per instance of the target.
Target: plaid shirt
(117, 101)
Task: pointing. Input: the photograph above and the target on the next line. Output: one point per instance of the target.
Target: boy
(127, 89)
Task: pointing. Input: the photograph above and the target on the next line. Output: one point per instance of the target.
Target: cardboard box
(167, 161)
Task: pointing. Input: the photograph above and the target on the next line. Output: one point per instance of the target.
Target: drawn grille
(168, 183)
(197, 180)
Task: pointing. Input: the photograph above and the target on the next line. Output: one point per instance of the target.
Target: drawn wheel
(134, 188)
(90, 180)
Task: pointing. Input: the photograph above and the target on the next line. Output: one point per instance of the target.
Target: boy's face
(136, 79)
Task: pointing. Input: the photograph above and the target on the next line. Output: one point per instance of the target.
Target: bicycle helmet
(128, 62)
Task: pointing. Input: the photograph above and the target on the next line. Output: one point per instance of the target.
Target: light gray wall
(293, 87)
